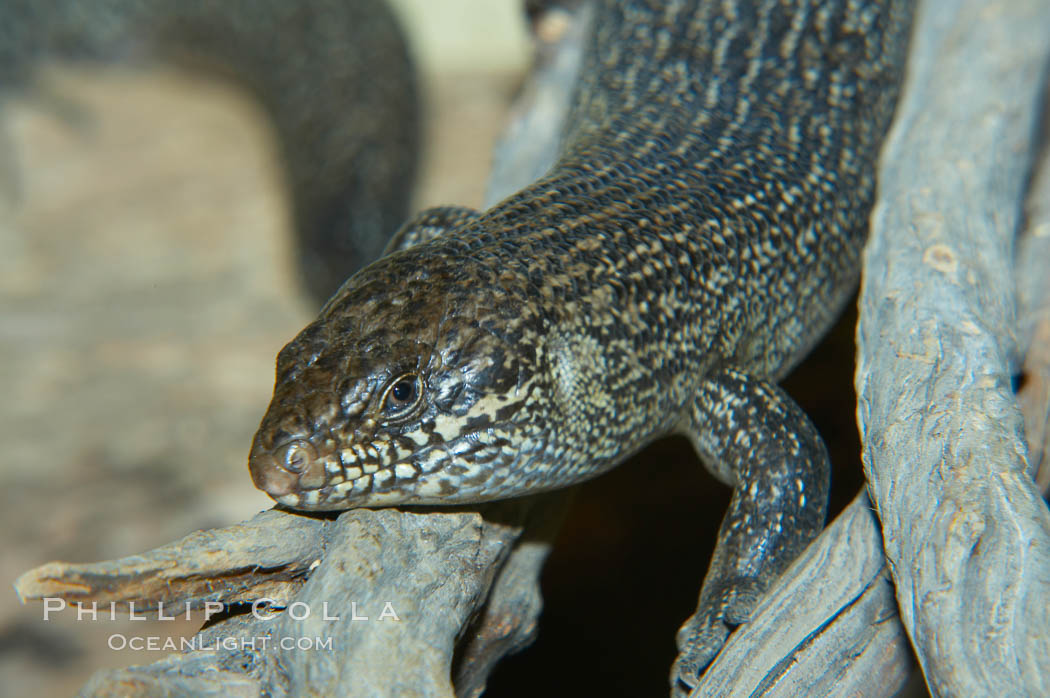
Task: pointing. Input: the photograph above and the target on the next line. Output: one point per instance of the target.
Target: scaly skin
(700, 231)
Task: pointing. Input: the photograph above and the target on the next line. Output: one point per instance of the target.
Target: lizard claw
(699, 640)
(702, 636)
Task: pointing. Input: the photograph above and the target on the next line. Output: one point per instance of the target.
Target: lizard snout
(285, 469)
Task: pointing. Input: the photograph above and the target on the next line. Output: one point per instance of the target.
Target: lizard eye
(402, 395)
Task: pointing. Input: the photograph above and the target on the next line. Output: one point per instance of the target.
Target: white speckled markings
(755, 438)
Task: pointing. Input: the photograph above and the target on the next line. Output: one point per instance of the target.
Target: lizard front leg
(754, 437)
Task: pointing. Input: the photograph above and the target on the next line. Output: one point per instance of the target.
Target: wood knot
(942, 258)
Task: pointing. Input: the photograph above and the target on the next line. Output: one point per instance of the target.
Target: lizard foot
(701, 637)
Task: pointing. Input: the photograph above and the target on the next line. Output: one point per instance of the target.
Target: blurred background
(146, 285)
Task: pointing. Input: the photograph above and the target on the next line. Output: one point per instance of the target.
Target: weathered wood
(378, 600)
(965, 531)
(432, 571)
(826, 628)
(269, 555)
(509, 621)
(529, 143)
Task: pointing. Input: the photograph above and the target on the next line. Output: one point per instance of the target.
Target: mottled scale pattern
(700, 230)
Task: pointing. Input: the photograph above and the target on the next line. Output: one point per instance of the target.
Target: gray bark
(966, 533)
(826, 628)
(379, 597)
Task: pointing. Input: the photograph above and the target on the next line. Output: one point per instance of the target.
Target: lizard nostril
(284, 470)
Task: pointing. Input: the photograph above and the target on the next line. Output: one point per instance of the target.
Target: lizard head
(412, 386)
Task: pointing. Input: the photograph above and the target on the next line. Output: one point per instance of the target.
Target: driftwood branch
(826, 628)
(232, 565)
(966, 533)
(374, 601)
(962, 524)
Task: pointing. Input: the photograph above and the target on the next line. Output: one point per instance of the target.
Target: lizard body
(700, 230)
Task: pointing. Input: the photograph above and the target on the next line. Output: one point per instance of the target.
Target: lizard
(700, 230)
